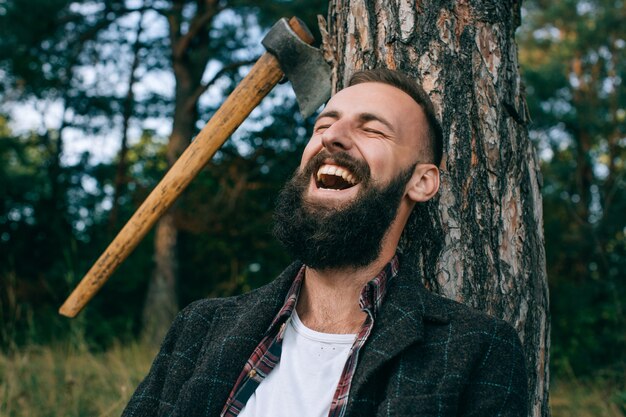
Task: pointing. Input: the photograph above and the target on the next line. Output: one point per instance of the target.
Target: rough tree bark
(485, 246)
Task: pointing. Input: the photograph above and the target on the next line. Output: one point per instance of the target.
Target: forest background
(87, 102)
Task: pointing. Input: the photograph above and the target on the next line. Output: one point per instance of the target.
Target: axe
(288, 54)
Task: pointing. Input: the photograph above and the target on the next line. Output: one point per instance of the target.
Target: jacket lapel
(238, 327)
(398, 325)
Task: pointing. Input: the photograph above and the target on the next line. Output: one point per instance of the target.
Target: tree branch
(198, 22)
(174, 17)
(204, 87)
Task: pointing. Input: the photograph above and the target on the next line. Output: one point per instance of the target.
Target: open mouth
(333, 177)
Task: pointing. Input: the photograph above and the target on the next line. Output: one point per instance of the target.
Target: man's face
(338, 207)
(375, 124)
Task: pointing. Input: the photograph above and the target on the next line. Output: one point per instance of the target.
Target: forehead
(373, 96)
(383, 100)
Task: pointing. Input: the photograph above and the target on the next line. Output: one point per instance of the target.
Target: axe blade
(303, 65)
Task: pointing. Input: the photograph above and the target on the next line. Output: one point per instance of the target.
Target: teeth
(337, 171)
(348, 177)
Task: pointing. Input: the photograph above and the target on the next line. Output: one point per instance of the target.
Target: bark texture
(484, 242)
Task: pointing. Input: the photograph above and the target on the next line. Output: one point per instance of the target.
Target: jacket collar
(399, 324)
(239, 325)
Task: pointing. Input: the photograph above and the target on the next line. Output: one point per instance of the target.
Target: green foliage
(572, 57)
(52, 224)
(56, 216)
(227, 247)
(32, 61)
(34, 227)
(306, 10)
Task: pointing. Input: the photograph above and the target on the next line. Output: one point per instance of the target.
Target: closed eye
(325, 120)
(373, 131)
(321, 128)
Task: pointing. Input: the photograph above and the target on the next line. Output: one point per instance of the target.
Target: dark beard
(333, 238)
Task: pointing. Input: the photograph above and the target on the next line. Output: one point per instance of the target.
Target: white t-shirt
(304, 381)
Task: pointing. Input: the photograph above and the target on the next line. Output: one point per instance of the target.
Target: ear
(424, 183)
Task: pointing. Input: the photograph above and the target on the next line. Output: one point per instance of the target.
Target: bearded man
(348, 329)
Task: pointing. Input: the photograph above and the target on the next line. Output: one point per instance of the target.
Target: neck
(329, 299)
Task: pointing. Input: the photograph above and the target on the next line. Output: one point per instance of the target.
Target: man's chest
(304, 381)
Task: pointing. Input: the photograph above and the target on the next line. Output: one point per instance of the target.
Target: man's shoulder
(472, 359)
(439, 310)
(467, 324)
(457, 311)
(272, 292)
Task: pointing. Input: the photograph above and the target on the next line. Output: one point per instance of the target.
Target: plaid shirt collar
(267, 353)
(290, 304)
(370, 300)
(374, 291)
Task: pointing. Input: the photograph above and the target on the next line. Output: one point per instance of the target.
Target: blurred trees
(105, 68)
(573, 57)
(196, 38)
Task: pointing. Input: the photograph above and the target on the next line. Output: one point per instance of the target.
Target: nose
(337, 137)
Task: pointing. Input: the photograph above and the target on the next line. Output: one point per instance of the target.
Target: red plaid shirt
(267, 354)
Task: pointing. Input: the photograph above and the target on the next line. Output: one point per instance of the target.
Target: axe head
(303, 65)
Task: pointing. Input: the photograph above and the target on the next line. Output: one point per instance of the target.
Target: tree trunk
(121, 177)
(485, 232)
(190, 55)
(161, 302)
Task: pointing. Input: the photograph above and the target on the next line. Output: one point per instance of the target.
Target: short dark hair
(403, 82)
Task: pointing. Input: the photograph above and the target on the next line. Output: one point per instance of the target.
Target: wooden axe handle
(263, 76)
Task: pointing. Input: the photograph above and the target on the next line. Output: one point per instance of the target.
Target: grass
(579, 399)
(66, 380)
(603, 395)
(69, 380)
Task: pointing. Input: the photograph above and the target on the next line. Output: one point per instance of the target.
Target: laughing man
(348, 330)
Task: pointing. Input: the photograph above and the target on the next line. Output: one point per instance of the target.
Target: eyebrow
(363, 117)
(368, 117)
(330, 113)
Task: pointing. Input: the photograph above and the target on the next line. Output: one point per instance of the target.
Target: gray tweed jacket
(426, 356)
